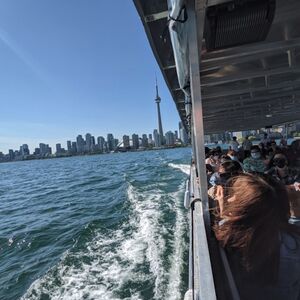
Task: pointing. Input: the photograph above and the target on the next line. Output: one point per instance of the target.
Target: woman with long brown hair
(263, 248)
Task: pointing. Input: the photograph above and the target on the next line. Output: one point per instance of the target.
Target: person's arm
(219, 196)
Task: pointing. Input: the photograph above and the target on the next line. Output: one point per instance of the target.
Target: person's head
(265, 135)
(234, 138)
(206, 150)
(224, 158)
(246, 137)
(255, 152)
(219, 149)
(273, 145)
(209, 169)
(295, 145)
(279, 161)
(261, 146)
(229, 169)
(256, 208)
(232, 155)
(215, 154)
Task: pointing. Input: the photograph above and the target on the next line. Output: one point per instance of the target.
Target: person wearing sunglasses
(280, 169)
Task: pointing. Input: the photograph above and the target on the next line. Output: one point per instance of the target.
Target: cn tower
(160, 129)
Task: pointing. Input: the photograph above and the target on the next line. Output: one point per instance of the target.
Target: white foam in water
(179, 248)
(149, 233)
(110, 261)
(182, 167)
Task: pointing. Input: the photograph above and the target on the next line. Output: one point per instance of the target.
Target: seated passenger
(263, 248)
(227, 170)
(233, 155)
(213, 159)
(255, 163)
(279, 168)
(293, 153)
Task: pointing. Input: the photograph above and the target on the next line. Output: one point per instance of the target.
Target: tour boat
(230, 65)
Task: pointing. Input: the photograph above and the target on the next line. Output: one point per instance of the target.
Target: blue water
(95, 227)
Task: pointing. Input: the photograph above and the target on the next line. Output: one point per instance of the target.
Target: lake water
(95, 227)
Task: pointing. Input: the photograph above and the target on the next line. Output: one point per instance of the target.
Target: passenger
(293, 153)
(274, 146)
(263, 248)
(232, 155)
(227, 170)
(255, 163)
(234, 144)
(224, 158)
(294, 199)
(265, 139)
(246, 145)
(213, 159)
(262, 148)
(283, 144)
(279, 168)
(209, 172)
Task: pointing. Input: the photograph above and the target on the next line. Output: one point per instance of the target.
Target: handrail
(201, 281)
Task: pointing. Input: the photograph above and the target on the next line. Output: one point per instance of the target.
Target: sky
(69, 67)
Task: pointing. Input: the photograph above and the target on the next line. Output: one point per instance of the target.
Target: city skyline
(83, 82)
(89, 144)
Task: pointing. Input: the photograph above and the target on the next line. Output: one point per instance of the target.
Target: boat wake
(142, 259)
(182, 167)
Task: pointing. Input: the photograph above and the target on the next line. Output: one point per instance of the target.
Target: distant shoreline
(31, 157)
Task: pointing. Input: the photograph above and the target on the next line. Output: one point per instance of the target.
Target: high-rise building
(145, 141)
(110, 142)
(126, 143)
(24, 150)
(116, 143)
(45, 150)
(170, 138)
(157, 141)
(69, 146)
(176, 135)
(80, 143)
(88, 142)
(135, 141)
(58, 149)
(150, 140)
(37, 151)
(74, 147)
(11, 154)
(100, 143)
(183, 134)
(93, 143)
(160, 128)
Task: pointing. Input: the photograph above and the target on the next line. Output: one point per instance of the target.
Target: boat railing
(201, 281)
(210, 275)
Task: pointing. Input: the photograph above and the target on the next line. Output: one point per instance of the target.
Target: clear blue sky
(70, 67)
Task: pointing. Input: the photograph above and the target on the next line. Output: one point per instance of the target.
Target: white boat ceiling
(244, 87)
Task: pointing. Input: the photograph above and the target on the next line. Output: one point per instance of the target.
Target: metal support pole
(196, 17)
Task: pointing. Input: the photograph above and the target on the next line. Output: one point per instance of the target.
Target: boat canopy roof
(249, 62)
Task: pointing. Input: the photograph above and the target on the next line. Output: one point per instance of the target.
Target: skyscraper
(170, 138)
(135, 141)
(160, 129)
(80, 144)
(69, 146)
(110, 142)
(156, 136)
(126, 143)
(144, 141)
(100, 143)
(58, 149)
(183, 134)
(88, 140)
